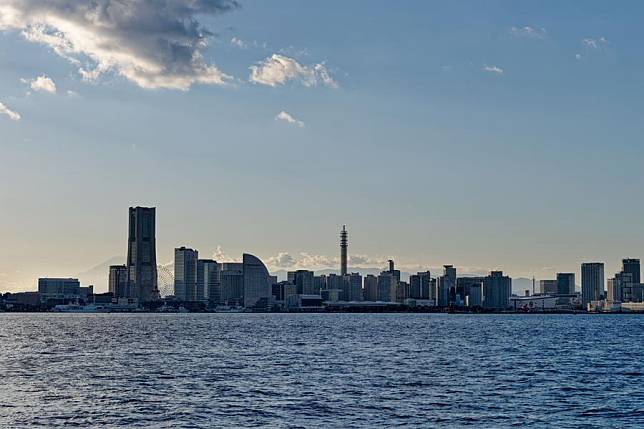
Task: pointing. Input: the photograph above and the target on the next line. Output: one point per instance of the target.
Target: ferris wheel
(165, 281)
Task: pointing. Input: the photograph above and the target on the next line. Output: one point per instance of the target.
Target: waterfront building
(533, 303)
(419, 285)
(592, 282)
(319, 283)
(463, 287)
(402, 294)
(141, 254)
(446, 286)
(387, 286)
(58, 290)
(352, 287)
(632, 267)
(370, 288)
(565, 288)
(304, 280)
(231, 280)
(334, 281)
(257, 282)
(185, 274)
(117, 281)
(207, 281)
(474, 297)
(548, 287)
(497, 289)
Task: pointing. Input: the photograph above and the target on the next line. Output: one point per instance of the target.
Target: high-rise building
(344, 244)
(548, 287)
(304, 280)
(257, 282)
(207, 281)
(185, 273)
(592, 282)
(352, 287)
(117, 283)
(370, 288)
(319, 284)
(387, 287)
(497, 289)
(141, 254)
(565, 286)
(632, 267)
(419, 285)
(231, 280)
(463, 287)
(475, 295)
(446, 287)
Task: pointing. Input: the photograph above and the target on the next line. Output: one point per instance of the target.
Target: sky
(488, 135)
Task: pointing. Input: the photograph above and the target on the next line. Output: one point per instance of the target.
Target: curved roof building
(257, 282)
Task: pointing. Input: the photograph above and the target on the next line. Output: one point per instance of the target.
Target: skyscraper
(565, 286)
(141, 254)
(592, 282)
(370, 288)
(497, 289)
(303, 279)
(207, 280)
(344, 244)
(117, 283)
(257, 282)
(185, 274)
(632, 267)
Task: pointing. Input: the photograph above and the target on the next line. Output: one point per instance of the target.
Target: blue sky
(482, 134)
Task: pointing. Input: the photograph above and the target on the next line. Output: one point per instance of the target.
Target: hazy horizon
(496, 135)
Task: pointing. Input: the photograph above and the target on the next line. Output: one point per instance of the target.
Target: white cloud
(578, 56)
(310, 261)
(278, 70)
(529, 32)
(287, 117)
(493, 69)
(152, 44)
(4, 110)
(243, 44)
(235, 41)
(594, 43)
(41, 84)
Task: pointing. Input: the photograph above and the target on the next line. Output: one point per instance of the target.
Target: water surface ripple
(321, 370)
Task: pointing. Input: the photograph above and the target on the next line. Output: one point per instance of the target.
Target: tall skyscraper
(117, 283)
(142, 255)
(592, 282)
(185, 274)
(344, 244)
(231, 280)
(632, 267)
(353, 287)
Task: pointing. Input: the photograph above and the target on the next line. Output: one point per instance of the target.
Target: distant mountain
(99, 274)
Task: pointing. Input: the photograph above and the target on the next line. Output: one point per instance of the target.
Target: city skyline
(492, 136)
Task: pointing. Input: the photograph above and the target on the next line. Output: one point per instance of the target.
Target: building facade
(58, 290)
(117, 281)
(497, 290)
(592, 282)
(141, 254)
(185, 273)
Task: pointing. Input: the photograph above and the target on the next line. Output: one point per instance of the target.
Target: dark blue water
(321, 370)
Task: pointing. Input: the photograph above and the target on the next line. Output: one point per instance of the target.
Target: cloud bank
(4, 110)
(287, 117)
(152, 43)
(278, 70)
